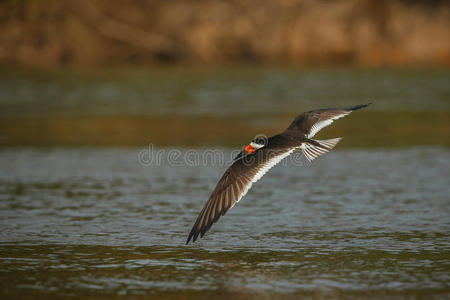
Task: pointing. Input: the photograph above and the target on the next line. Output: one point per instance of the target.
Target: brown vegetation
(57, 33)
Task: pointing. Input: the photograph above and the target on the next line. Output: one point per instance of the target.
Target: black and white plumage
(260, 156)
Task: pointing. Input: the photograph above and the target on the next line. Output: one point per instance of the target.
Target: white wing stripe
(263, 170)
(319, 125)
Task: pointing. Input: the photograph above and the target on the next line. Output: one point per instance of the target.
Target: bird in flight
(261, 155)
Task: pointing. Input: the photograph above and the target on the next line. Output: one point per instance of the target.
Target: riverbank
(60, 34)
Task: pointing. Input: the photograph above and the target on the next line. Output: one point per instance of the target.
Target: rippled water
(95, 222)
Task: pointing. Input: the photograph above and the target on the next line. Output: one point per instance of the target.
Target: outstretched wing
(313, 121)
(234, 184)
(240, 155)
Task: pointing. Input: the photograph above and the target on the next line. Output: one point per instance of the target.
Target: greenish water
(221, 92)
(97, 223)
(77, 222)
(224, 107)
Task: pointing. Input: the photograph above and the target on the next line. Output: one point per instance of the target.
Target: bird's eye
(261, 140)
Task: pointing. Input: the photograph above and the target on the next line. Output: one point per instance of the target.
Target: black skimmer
(261, 155)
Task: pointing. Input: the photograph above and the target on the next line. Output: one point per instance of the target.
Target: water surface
(225, 107)
(87, 222)
(220, 92)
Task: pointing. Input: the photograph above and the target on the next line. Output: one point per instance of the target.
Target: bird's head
(258, 142)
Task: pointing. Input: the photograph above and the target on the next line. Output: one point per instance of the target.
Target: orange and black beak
(249, 149)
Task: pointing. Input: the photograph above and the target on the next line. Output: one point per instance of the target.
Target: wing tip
(195, 231)
(189, 238)
(356, 107)
(200, 231)
(192, 236)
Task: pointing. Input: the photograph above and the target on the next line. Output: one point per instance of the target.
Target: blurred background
(86, 85)
(216, 72)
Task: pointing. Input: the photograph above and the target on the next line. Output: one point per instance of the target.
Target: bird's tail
(312, 149)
